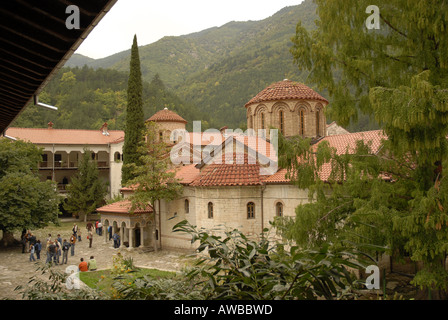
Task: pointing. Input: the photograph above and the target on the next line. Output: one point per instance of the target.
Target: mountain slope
(219, 69)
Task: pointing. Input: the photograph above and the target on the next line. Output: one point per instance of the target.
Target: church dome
(286, 90)
(166, 115)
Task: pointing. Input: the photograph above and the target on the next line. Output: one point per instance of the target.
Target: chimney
(104, 129)
(50, 125)
(223, 131)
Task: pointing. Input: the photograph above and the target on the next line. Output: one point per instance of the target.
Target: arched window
(250, 210)
(262, 121)
(317, 123)
(302, 122)
(279, 209)
(187, 206)
(160, 136)
(210, 210)
(117, 156)
(282, 121)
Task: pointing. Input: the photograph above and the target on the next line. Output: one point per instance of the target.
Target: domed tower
(167, 121)
(291, 107)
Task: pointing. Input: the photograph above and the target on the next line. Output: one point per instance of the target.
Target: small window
(282, 122)
(302, 122)
(262, 121)
(160, 136)
(210, 210)
(250, 210)
(279, 209)
(187, 206)
(317, 123)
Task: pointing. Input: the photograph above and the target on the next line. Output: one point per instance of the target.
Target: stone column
(142, 244)
(121, 236)
(131, 237)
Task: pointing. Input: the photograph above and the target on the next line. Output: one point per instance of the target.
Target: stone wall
(229, 210)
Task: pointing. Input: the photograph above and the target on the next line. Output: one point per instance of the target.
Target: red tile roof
(342, 143)
(278, 177)
(65, 136)
(166, 115)
(123, 206)
(286, 90)
(240, 173)
(187, 174)
(347, 143)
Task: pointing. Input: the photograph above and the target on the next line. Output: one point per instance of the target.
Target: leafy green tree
(25, 201)
(135, 123)
(154, 180)
(86, 191)
(398, 74)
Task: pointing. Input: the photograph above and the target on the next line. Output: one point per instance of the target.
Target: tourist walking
(23, 241)
(100, 228)
(54, 252)
(32, 249)
(32, 239)
(116, 238)
(90, 237)
(75, 229)
(47, 251)
(72, 244)
(58, 250)
(65, 247)
(38, 248)
(59, 238)
(109, 228)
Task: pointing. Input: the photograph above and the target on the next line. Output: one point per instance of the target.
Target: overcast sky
(151, 20)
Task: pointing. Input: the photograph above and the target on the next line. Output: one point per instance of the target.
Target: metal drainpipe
(262, 211)
(160, 226)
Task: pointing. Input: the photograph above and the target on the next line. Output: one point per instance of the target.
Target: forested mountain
(86, 98)
(209, 75)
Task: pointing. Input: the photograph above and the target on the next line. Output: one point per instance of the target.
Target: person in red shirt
(83, 265)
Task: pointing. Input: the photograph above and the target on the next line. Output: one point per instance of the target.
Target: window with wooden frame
(251, 210)
(279, 209)
(317, 123)
(210, 210)
(281, 116)
(302, 122)
(262, 121)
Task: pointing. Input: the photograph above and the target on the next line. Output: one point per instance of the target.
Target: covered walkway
(135, 230)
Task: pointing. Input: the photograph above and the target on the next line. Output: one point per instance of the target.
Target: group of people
(55, 248)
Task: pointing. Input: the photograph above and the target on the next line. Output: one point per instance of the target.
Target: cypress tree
(135, 123)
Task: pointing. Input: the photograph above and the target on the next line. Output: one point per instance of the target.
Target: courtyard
(16, 268)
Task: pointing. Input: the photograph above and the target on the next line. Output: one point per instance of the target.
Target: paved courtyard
(16, 269)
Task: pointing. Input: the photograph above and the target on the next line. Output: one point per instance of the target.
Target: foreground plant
(236, 267)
